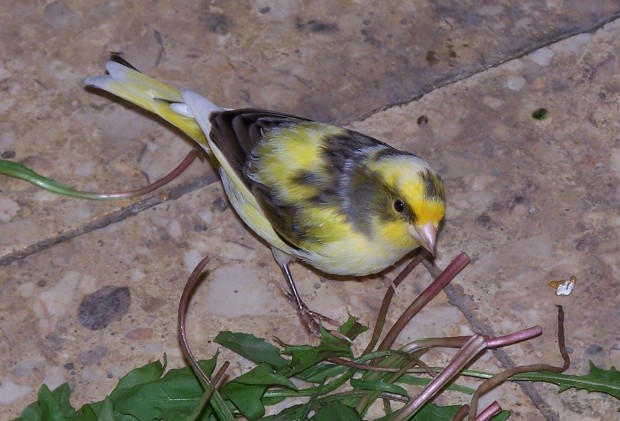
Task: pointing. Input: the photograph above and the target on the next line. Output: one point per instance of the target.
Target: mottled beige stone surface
(533, 200)
(530, 200)
(336, 61)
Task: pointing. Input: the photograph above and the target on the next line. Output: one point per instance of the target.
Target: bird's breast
(355, 255)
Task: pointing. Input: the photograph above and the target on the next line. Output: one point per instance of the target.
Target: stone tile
(328, 60)
(136, 269)
(532, 200)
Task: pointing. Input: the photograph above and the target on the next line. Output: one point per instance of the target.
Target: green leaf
(52, 406)
(144, 394)
(174, 396)
(333, 344)
(107, 411)
(264, 375)
(502, 416)
(247, 390)
(141, 394)
(351, 328)
(434, 412)
(272, 400)
(320, 373)
(254, 349)
(247, 398)
(336, 411)
(138, 376)
(598, 380)
(19, 171)
(306, 356)
(61, 396)
(378, 386)
(295, 412)
(301, 411)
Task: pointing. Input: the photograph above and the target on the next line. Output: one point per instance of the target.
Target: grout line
(511, 55)
(194, 185)
(456, 299)
(109, 219)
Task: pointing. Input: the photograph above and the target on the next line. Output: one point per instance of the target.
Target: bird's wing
(231, 146)
(252, 143)
(292, 166)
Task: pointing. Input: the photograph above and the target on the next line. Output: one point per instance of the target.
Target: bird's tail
(124, 81)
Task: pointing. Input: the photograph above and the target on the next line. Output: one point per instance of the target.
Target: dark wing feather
(237, 132)
(281, 216)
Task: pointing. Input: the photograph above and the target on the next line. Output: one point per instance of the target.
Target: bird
(342, 202)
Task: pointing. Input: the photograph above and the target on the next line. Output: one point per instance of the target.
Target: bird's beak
(426, 236)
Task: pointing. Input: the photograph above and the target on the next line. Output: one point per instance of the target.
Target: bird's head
(412, 201)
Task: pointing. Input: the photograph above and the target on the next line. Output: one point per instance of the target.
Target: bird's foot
(309, 319)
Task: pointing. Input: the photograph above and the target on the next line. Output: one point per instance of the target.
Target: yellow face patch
(430, 211)
(404, 175)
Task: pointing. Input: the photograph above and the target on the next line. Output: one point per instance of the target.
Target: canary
(340, 201)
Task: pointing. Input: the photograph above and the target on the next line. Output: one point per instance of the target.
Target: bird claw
(310, 319)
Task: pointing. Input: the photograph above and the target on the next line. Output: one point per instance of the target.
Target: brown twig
(209, 391)
(453, 269)
(182, 332)
(513, 338)
(189, 158)
(472, 348)
(489, 412)
(461, 413)
(387, 300)
(459, 262)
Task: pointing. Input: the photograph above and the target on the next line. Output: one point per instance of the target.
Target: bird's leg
(292, 296)
(307, 317)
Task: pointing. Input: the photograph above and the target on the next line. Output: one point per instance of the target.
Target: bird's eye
(399, 206)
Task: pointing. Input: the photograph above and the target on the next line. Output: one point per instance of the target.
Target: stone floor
(530, 199)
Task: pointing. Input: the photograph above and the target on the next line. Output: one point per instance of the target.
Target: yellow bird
(334, 198)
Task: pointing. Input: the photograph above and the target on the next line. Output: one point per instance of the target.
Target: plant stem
(218, 403)
(453, 269)
(387, 300)
(472, 348)
(502, 377)
(19, 171)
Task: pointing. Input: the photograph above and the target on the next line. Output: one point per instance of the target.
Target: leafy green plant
(147, 393)
(337, 384)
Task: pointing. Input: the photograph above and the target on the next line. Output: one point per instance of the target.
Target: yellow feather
(431, 211)
(396, 233)
(287, 152)
(148, 93)
(246, 207)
